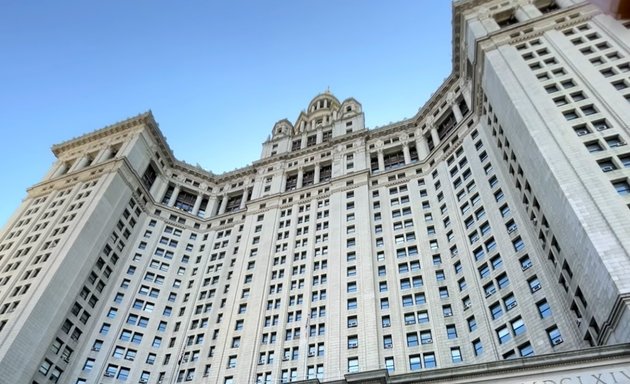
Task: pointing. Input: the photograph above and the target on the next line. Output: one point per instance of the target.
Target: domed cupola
(323, 102)
(322, 111)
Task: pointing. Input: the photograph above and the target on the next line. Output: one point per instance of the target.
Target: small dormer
(280, 139)
(349, 107)
(281, 129)
(349, 118)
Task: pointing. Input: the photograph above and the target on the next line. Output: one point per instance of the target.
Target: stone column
(452, 102)
(105, 155)
(381, 160)
(300, 177)
(529, 11)
(80, 163)
(406, 153)
(320, 136)
(467, 94)
(158, 188)
(435, 137)
(195, 209)
(223, 204)
(421, 145)
(520, 14)
(316, 175)
(61, 169)
(212, 207)
(457, 112)
(244, 199)
(564, 3)
(173, 198)
(489, 24)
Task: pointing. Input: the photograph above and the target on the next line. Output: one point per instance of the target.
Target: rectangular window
(472, 323)
(518, 244)
(429, 360)
(554, 335)
(503, 334)
(451, 331)
(414, 363)
(477, 347)
(456, 355)
(544, 310)
(353, 364)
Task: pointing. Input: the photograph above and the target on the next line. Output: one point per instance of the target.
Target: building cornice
(526, 365)
(109, 130)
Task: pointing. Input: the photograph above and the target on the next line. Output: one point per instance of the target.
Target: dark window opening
(291, 182)
(308, 178)
(149, 176)
(393, 160)
(325, 173)
(168, 194)
(446, 125)
(185, 201)
(233, 203)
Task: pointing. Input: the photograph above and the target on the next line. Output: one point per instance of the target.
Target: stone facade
(491, 226)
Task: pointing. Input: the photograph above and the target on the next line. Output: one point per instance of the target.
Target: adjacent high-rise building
(491, 228)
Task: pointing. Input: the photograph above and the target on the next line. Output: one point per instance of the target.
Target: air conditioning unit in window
(388, 346)
(353, 346)
(535, 288)
(511, 305)
(557, 340)
(526, 267)
(607, 168)
(143, 381)
(488, 294)
(286, 358)
(352, 325)
(428, 341)
(109, 374)
(582, 133)
(386, 325)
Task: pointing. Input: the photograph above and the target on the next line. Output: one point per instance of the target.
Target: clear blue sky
(216, 74)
